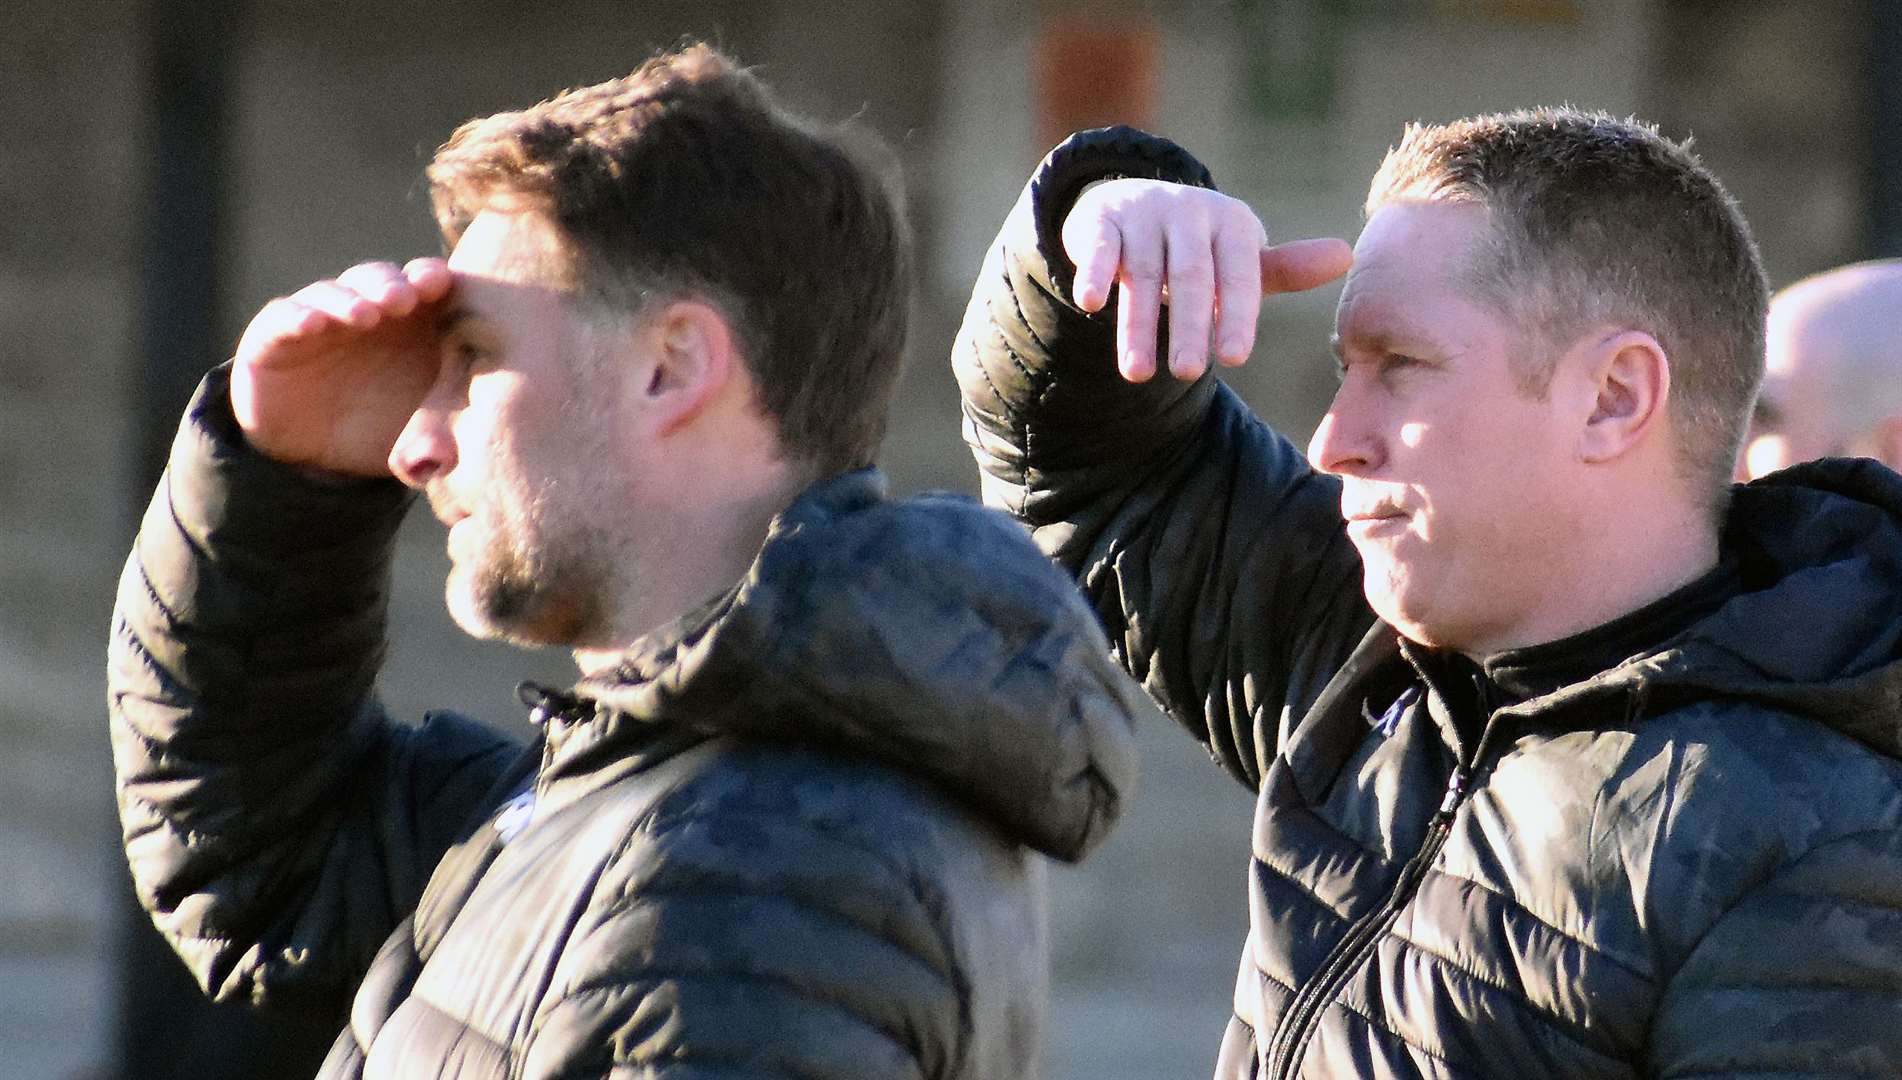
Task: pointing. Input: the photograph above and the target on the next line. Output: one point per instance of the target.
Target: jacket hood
(929, 633)
(1817, 629)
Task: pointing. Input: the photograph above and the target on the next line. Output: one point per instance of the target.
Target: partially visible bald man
(1832, 383)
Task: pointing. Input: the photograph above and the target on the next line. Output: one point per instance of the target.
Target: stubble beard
(548, 571)
(534, 591)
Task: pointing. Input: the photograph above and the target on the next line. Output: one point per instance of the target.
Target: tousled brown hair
(1598, 220)
(687, 178)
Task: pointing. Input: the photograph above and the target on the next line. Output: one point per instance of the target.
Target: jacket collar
(928, 633)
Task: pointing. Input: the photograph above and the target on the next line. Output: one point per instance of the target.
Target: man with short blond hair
(1569, 759)
(1832, 383)
(787, 823)
(1576, 242)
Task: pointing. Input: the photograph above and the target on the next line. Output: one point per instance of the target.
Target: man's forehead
(1411, 247)
(514, 245)
(1440, 225)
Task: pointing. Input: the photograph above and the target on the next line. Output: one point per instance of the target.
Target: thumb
(1299, 265)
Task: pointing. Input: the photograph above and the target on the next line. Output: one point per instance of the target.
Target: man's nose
(425, 450)
(1344, 442)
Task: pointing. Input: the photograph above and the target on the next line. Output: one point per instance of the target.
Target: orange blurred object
(1089, 74)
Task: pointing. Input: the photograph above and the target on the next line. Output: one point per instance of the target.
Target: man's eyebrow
(452, 318)
(1376, 340)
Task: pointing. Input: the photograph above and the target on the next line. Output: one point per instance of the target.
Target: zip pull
(546, 703)
(1455, 791)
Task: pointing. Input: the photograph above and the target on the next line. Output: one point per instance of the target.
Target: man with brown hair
(786, 823)
(1832, 382)
(1570, 759)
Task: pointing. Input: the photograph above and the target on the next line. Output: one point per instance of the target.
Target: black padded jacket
(793, 835)
(1687, 865)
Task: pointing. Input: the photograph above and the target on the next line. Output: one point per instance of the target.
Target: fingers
(1139, 297)
(1210, 274)
(1190, 263)
(1300, 265)
(341, 303)
(280, 320)
(1197, 249)
(358, 299)
(393, 290)
(1214, 274)
(383, 285)
(1113, 235)
(430, 277)
(1094, 245)
(1238, 287)
(1203, 252)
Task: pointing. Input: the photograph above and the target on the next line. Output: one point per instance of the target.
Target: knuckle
(1142, 266)
(283, 311)
(317, 292)
(1191, 274)
(1186, 292)
(1242, 223)
(1142, 272)
(1137, 313)
(1239, 278)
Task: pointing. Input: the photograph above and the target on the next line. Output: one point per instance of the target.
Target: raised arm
(277, 823)
(1214, 555)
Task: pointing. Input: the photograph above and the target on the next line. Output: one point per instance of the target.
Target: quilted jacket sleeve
(1802, 978)
(739, 938)
(1215, 557)
(277, 823)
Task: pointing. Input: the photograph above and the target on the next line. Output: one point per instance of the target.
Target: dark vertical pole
(1884, 73)
(189, 69)
(167, 1029)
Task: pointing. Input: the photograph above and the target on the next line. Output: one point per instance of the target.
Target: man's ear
(693, 355)
(1633, 387)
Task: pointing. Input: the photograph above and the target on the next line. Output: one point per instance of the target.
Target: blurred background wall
(166, 166)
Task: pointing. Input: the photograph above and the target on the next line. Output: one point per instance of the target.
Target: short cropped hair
(1600, 220)
(686, 178)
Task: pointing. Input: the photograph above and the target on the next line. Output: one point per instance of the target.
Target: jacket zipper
(545, 704)
(1290, 1044)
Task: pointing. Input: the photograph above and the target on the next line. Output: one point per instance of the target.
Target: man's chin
(470, 615)
(1434, 629)
(514, 615)
(1392, 608)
